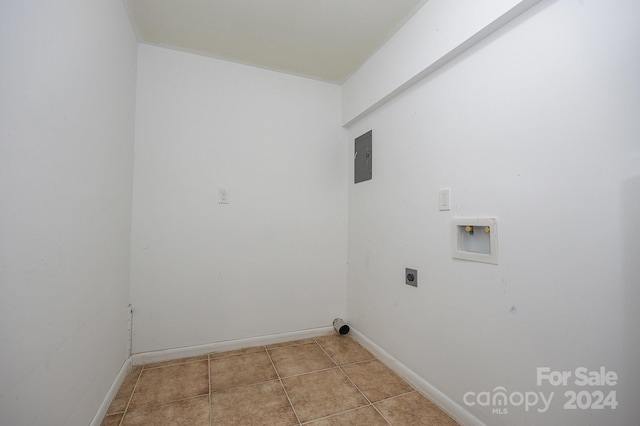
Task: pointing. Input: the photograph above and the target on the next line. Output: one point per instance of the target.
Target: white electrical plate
(444, 199)
(475, 239)
(223, 196)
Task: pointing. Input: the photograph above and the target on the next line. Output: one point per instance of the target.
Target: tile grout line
(356, 386)
(311, 372)
(334, 415)
(153, 366)
(326, 353)
(209, 358)
(124, 414)
(386, 399)
(399, 395)
(282, 384)
(210, 400)
(158, 404)
(143, 369)
(365, 396)
(381, 415)
(371, 403)
(346, 364)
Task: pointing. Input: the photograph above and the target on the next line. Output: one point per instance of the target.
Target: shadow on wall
(631, 271)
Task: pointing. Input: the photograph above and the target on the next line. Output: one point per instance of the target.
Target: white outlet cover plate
(223, 196)
(444, 199)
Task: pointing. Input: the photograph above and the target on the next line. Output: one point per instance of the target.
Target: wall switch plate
(411, 277)
(223, 196)
(444, 199)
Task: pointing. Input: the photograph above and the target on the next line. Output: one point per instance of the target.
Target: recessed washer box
(475, 239)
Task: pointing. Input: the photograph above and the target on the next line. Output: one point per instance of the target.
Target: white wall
(437, 33)
(67, 94)
(537, 126)
(274, 259)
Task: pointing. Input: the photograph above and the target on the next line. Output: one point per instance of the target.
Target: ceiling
(322, 39)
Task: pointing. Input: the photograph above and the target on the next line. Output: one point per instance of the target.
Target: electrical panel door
(362, 158)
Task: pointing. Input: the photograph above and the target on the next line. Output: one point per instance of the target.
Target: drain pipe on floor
(340, 326)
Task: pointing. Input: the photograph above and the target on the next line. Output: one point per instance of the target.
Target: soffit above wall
(323, 39)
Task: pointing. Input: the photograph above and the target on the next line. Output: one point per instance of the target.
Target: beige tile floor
(323, 381)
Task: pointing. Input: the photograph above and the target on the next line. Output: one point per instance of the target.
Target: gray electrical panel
(362, 159)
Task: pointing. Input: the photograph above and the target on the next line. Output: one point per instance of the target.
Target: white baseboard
(169, 354)
(113, 391)
(229, 345)
(455, 410)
